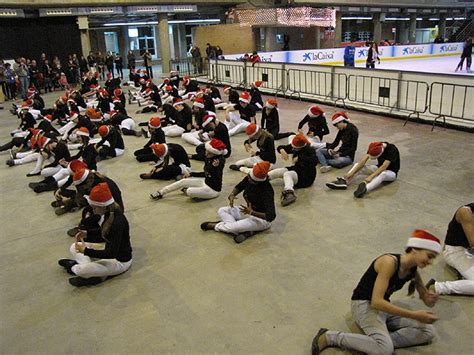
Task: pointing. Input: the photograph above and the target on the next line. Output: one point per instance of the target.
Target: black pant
(119, 71)
(169, 172)
(145, 154)
(370, 64)
(5, 90)
(110, 69)
(149, 69)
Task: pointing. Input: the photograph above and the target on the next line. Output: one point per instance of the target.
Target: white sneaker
(325, 168)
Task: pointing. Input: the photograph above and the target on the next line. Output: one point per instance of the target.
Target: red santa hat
(315, 111)
(43, 141)
(154, 122)
(160, 150)
(113, 113)
(423, 240)
(226, 89)
(216, 147)
(100, 196)
(48, 117)
(166, 81)
(109, 75)
(80, 176)
(271, 103)
(76, 165)
(177, 101)
(259, 171)
(208, 119)
(168, 88)
(103, 92)
(104, 130)
(95, 86)
(118, 92)
(27, 104)
(258, 83)
(116, 100)
(186, 81)
(199, 102)
(73, 115)
(299, 141)
(252, 129)
(339, 117)
(83, 131)
(244, 97)
(139, 71)
(375, 149)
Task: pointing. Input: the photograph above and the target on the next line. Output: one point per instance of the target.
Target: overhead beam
(76, 3)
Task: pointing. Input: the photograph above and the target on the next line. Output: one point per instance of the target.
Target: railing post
(397, 99)
(332, 83)
(245, 74)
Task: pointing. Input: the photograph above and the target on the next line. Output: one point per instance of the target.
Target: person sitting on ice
(182, 120)
(156, 135)
(271, 120)
(111, 145)
(173, 162)
(256, 96)
(317, 126)
(239, 116)
(212, 128)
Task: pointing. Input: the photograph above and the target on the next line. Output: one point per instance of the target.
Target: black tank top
(363, 291)
(455, 235)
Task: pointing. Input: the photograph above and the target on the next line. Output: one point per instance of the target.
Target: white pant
(386, 175)
(51, 171)
(315, 142)
(39, 165)
(235, 124)
(64, 129)
(195, 188)
(128, 123)
(173, 131)
(100, 268)
(290, 177)
(18, 133)
(92, 103)
(61, 176)
(118, 152)
(249, 162)
(216, 100)
(25, 157)
(193, 138)
(234, 222)
(458, 258)
(187, 96)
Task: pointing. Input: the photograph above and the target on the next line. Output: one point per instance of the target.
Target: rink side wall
(335, 56)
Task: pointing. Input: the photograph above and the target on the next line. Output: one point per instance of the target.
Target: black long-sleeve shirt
(158, 136)
(260, 196)
(48, 128)
(60, 152)
(117, 241)
(212, 174)
(27, 121)
(114, 138)
(271, 121)
(88, 155)
(256, 97)
(305, 166)
(233, 96)
(193, 86)
(266, 146)
(209, 103)
(222, 133)
(349, 137)
(317, 125)
(247, 112)
(184, 118)
(178, 154)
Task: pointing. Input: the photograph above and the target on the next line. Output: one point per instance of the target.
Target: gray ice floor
(194, 292)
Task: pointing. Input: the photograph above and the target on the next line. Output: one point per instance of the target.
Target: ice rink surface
(437, 65)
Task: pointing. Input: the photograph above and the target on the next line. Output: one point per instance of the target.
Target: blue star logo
(442, 49)
(361, 53)
(306, 57)
(405, 50)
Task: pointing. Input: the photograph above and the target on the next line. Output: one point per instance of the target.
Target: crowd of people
(67, 142)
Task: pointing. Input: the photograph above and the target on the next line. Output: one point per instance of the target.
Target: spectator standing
(91, 60)
(147, 63)
(21, 71)
(47, 71)
(109, 63)
(11, 81)
(3, 81)
(83, 65)
(197, 59)
(131, 60)
(219, 52)
(35, 75)
(119, 65)
(100, 65)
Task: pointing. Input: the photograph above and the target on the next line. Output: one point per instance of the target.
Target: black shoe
(338, 184)
(43, 187)
(314, 346)
(73, 231)
(235, 167)
(430, 283)
(56, 204)
(10, 162)
(143, 124)
(156, 195)
(361, 190)
(80, 281)
(34, 174)
(32, 185)
(67, 264)
(242, 237)
(287, 197)
(206, 226)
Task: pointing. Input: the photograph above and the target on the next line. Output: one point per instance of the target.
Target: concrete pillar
(377, 37)
(270, 39)
(338, 29)
(317, 33)
(442, 25)
(165, 48)
(123, 42)
(412, 29)
(83, 24)
(183, 48)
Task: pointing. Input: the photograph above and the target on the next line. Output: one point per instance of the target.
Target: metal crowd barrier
(412, 96)
(396, 94)
(273, 76)
(452, 100)
(185, 66)
(330, 85)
